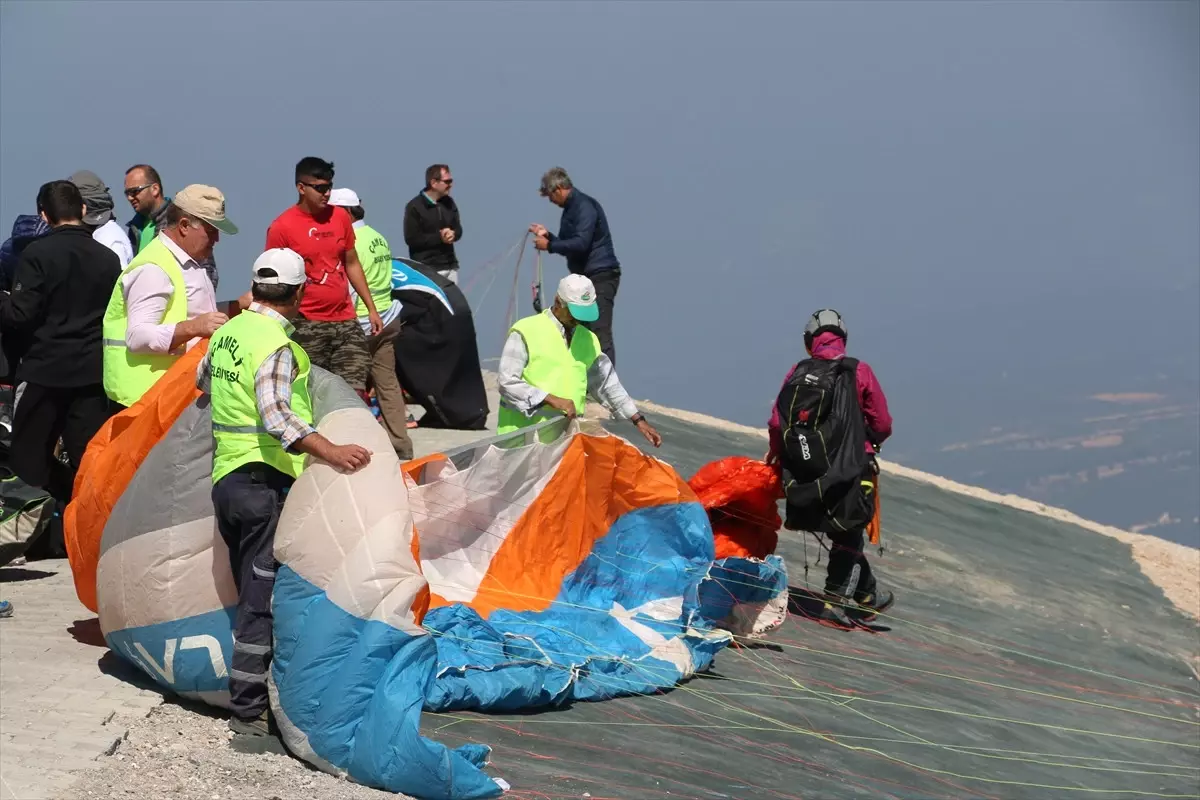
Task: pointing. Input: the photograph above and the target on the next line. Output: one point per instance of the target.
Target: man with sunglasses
(327, 326)
(144, 191)
(164, 302)
(432, 224)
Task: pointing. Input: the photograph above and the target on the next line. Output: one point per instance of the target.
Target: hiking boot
(255, 726)
(872, 604)
(833, 616)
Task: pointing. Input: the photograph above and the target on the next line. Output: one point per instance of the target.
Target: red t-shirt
(323, 241)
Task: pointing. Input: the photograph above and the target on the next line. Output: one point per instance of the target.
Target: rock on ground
(178, 753)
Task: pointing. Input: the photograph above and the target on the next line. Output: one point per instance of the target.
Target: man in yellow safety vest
(551, 364)
(164, 302)
(262, 423)
(375, 256)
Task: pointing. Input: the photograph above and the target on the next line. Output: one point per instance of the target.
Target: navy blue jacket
(25, 229)
(583, 236)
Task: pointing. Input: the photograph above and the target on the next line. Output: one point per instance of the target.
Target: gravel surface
(177, 753)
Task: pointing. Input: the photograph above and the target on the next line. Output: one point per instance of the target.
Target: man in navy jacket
(584, 240)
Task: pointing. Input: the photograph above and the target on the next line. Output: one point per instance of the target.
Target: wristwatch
(637, 418)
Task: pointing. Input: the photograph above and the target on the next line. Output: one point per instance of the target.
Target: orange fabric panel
(598, 480)
(112, 458)
(414, 467)
(876, 525)
(740, 495)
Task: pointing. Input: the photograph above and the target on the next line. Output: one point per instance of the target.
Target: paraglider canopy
(740, 495)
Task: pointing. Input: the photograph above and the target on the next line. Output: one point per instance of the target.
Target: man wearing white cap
(375, 256)
(262, 423)
(164, 302)
(551, 364)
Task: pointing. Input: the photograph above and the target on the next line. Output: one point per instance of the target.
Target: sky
(1001, 198)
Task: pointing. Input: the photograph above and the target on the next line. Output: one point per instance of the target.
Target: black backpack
(826, 468)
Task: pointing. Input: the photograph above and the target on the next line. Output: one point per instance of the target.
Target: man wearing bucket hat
(262, 421)
(164, 302)
(99, 215)
(551, 363)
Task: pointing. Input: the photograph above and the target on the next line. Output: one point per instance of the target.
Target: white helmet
(821, 321)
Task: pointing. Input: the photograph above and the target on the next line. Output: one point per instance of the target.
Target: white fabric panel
(164, 576)
(464, 517)
(351, 535)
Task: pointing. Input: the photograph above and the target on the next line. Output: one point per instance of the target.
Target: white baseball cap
(281, 266)
(344, 197)
(580, 296)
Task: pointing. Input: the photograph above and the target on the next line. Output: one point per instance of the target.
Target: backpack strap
(849, 364)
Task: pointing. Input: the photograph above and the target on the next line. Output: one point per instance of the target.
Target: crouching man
(262, 421)
(551, 364)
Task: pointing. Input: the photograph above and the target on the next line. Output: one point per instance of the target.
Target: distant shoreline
(1173, 567)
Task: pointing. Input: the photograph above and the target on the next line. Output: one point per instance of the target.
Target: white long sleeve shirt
(147, 292)
(603, 384)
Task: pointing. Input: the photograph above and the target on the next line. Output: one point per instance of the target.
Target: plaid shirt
(272, 387)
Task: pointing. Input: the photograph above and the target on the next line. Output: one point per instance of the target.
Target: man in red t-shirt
(327, 327)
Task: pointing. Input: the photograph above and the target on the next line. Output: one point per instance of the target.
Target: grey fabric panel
(174, 484)
(330, 393)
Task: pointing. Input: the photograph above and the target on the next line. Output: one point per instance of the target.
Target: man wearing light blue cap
(551, 364)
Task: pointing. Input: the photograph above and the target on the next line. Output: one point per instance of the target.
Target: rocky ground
(184, 753)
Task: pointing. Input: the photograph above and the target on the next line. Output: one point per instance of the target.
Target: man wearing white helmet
(262, 422)
(829, 420)
(551, 364)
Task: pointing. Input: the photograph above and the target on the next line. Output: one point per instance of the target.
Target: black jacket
(583, 236)
(60, 291)
(423, 221)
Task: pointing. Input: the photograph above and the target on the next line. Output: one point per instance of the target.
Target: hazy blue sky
(1002, 198)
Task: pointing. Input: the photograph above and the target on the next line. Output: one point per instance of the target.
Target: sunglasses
(136, 190)
(319, 188)
(447, 181)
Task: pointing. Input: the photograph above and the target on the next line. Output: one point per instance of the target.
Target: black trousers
(606, 282)
(248, 502)
(46, 413)
(846, 552)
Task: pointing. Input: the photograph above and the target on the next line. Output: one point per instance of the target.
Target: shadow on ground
(112, 664)
(19, 574)
(87, 631)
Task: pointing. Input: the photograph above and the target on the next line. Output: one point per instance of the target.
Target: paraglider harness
(830, 481)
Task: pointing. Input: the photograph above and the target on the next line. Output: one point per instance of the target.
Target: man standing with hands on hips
(262, 422)
(551, 364)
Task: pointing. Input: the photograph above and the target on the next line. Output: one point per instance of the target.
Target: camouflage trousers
(340, 347)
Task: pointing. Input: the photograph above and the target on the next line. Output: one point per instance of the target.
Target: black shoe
(255, 726)
(872, 604)
(833, 616)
